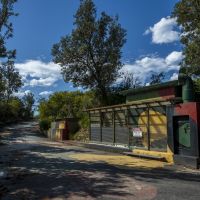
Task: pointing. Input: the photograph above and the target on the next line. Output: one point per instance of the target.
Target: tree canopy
(11, 108)
(67, 104)
(187, 13)
(91, 55)
(6, 27)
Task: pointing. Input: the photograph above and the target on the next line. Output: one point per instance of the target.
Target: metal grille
(95, 127)
(118, 126)
(121, 129)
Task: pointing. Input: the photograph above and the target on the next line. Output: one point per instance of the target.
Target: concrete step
(151, 157)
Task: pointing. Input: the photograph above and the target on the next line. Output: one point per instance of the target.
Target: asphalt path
(33, 167)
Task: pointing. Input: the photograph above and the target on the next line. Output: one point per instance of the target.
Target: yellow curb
(166, 155)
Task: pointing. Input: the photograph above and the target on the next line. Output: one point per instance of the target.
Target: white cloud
(163, 31)
(144, 67)
(43, 81)
(45, 93)
(38, 73)
(174, 58)
(174, 76)
(20, 94)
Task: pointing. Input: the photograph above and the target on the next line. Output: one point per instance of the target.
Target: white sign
(137, 132)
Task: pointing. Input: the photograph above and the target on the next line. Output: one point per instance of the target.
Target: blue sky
(152, 39)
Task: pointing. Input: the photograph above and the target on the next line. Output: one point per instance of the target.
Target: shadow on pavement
(33, 175)
(39, 176)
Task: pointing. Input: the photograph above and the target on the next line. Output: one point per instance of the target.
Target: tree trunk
(102, 93)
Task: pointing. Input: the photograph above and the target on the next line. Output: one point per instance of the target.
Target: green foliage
(90, 56)
(44, 125)
(6, 27)
(13, 110)
(6, 31)
(188, 17)
(10, 78)
(197, 89)
(28, 101)
(67, 104)
(197, 85)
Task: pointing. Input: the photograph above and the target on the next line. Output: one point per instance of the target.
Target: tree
(2, 84)
(6, 30)
(90, 56)
(28, 101)
(129, 81)
(188, 17)
(157, 78)
(11, 108)
(6, 27)
(11, 78)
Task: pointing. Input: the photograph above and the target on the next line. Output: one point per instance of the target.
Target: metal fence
(139, 127)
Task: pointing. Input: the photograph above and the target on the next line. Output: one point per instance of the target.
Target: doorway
(182, 135)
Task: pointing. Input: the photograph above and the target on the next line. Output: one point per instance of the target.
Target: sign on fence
(137, 132)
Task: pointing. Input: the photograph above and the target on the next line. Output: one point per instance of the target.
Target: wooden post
(127, 119)
(148, 128)
(100, 114)
(90, 126)
(113, 121)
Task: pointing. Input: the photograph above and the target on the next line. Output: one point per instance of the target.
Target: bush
(44, 124)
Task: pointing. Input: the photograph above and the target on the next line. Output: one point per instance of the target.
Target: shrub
(44, 124)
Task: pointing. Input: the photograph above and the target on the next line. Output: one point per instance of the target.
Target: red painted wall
(192, 109)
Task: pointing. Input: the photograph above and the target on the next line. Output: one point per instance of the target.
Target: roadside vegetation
(12, 108)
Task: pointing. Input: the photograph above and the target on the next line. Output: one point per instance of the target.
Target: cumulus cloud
(45, 93)
(38, 73)
(43, 81)
(174, 76)
(145, 66)
(174, 58)
(164, 31)
(20, 94)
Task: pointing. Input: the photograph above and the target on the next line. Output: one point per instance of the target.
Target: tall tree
(28, 101)
(12, 79)
(6, 27)
(91, 56)
(8, 76)
(187, 13)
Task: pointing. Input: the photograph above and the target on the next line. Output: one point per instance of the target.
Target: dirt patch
(120, 160)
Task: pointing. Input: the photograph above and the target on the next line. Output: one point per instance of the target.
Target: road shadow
(38, 176)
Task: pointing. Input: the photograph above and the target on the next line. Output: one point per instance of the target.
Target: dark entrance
(182, 136)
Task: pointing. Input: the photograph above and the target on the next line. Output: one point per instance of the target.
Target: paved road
(32, 167)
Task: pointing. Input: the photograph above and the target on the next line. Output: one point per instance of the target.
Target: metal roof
(151, 87)
(137, 104)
